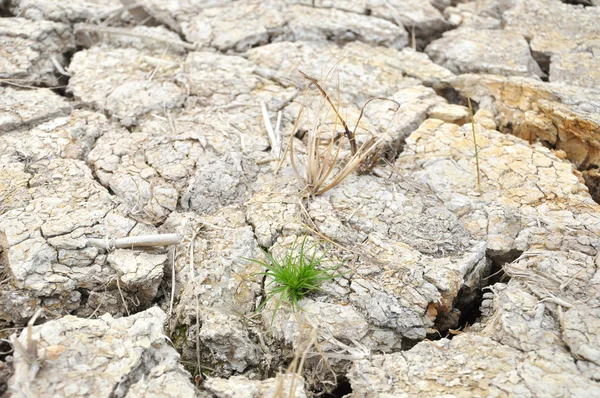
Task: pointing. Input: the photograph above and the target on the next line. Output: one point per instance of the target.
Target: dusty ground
(462, 275)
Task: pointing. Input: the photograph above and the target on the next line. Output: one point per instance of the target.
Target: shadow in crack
(585, 3)
(466, 310)
(4, 11)
(343, 389)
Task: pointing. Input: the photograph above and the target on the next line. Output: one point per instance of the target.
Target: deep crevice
(591, 177)
(468, 301)
(424, 37)
(6, 371)
(466, 309)
(147, 361)
(498, 261)
(449, 93)
(407, 344)
(4, 10)
(63, 80)
(543, 61)
(342, 389)
(585, 3)
(5, 347)
(85, 295)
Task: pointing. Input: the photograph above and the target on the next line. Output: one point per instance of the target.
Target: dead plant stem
(351, 138)
(475, 143)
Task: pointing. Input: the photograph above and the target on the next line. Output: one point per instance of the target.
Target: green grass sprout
(295, 275)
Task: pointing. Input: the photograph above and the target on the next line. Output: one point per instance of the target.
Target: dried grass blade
(351, 138)
(475, 143)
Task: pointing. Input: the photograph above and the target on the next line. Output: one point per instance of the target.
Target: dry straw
(321, 169)
(475, 144)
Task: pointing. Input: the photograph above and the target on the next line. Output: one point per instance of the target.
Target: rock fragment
(139, 272)
(25, 108)
(273, 209)
(60, 11)
(238, 386)
(417, 262)
(364, 71)
(467, 50)
(342, 27)
(564, 117)
(420, 66)
(471, 366)
(509, 204)
(577, 68)
(551, 268)
(217, 289)
(126, 83)
(420, 18)
(152, 39)
(51, 204)
(218, 79)
(553, 27)
(218, 27)
(403, 102)
(476, 14)
(203, 157)
(450, 113)
(582, 345)
(29, 48)
(70, 137)
(517, 319)
(46, 251)
(122, 357)
(572, 43)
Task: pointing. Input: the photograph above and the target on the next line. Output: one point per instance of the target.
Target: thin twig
(475, 143)
(121, 294)
(172, 282)
(94, 313)
(135, 241)
(11, 82)
(58, 66)
(198, 338)
(351, 138)
(278, 127)
(197, 299)
(362, 110)
(273, 138)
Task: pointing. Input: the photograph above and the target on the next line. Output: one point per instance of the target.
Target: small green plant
(294, 275)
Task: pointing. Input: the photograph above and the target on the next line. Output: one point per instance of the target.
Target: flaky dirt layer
(464, 270)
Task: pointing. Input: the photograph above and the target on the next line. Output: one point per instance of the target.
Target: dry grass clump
(322, 167)
(309, 347)
(30, 362)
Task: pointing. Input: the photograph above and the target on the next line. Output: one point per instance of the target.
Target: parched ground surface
(464, 272)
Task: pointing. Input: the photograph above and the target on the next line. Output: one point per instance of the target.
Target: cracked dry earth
(121, 119)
